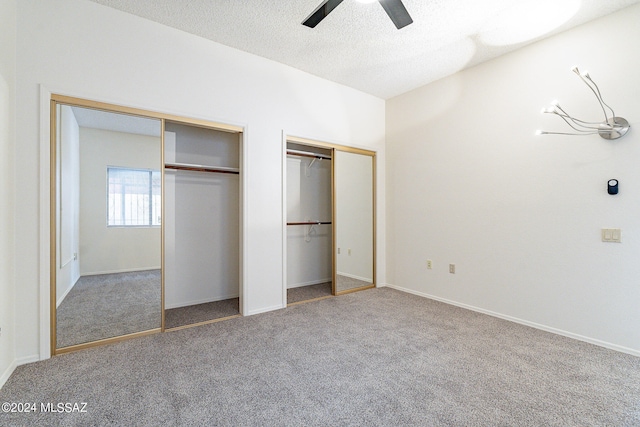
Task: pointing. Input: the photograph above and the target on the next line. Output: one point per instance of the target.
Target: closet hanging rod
(308, 154)
(201, 168)
(310, 223)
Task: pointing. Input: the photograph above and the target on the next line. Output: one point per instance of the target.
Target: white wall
(80, 48)
(68, 203)
(113, 249)
(7, 186)
(520, 216)
(308, 199)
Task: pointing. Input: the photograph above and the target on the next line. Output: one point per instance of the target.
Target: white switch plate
(612, 235)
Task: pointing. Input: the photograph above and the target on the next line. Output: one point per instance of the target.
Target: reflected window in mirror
(133, 197)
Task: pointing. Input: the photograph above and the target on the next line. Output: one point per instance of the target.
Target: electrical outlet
(452, 268)
(611, 235)
(429, 264)
(349, 250)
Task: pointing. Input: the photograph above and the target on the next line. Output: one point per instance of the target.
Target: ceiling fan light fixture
(394, 8)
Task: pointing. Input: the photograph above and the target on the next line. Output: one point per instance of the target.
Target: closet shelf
(201, 168)
(309, 223)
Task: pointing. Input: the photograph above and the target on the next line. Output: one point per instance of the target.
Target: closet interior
(202, 224)
(309, 222)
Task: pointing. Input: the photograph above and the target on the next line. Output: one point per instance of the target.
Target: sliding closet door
(113, 233)
(354, 220)
(106, 237)
(202, 224)
(347, 187)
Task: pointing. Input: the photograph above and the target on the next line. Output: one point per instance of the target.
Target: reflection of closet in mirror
(309, 222)
(354, 220)
(202, 224)
(106, 243)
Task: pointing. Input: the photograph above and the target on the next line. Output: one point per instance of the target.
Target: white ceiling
(358, 45)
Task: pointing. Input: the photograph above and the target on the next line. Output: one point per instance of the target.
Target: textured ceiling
(358, 45)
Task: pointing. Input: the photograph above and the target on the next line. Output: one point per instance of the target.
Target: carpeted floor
(378, 357)
(305, 293)
(189, 315)
(109, 305)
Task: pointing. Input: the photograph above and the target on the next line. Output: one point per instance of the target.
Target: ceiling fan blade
(321, 12)
(397, 12)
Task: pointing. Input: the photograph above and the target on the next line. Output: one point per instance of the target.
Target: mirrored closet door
(354, 221)
(106, 216)
(145, 222)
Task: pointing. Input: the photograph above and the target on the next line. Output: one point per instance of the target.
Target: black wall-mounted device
(612, 186)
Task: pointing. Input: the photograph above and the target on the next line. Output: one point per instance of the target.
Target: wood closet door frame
(49, 289)
(286, 138)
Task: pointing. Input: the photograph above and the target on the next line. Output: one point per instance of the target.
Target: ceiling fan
(394, 8)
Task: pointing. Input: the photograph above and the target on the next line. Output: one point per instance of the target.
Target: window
(133, 197)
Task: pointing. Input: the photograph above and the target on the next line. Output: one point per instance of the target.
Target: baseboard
(545, 328)
(313, 282)
(204, 301)
(126, 270)
(264, 310)
(13, 365)
(27, 359)
(66, 293)
(353, 276)
(7, 373)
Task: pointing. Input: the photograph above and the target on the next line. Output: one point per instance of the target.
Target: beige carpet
(378, 357)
